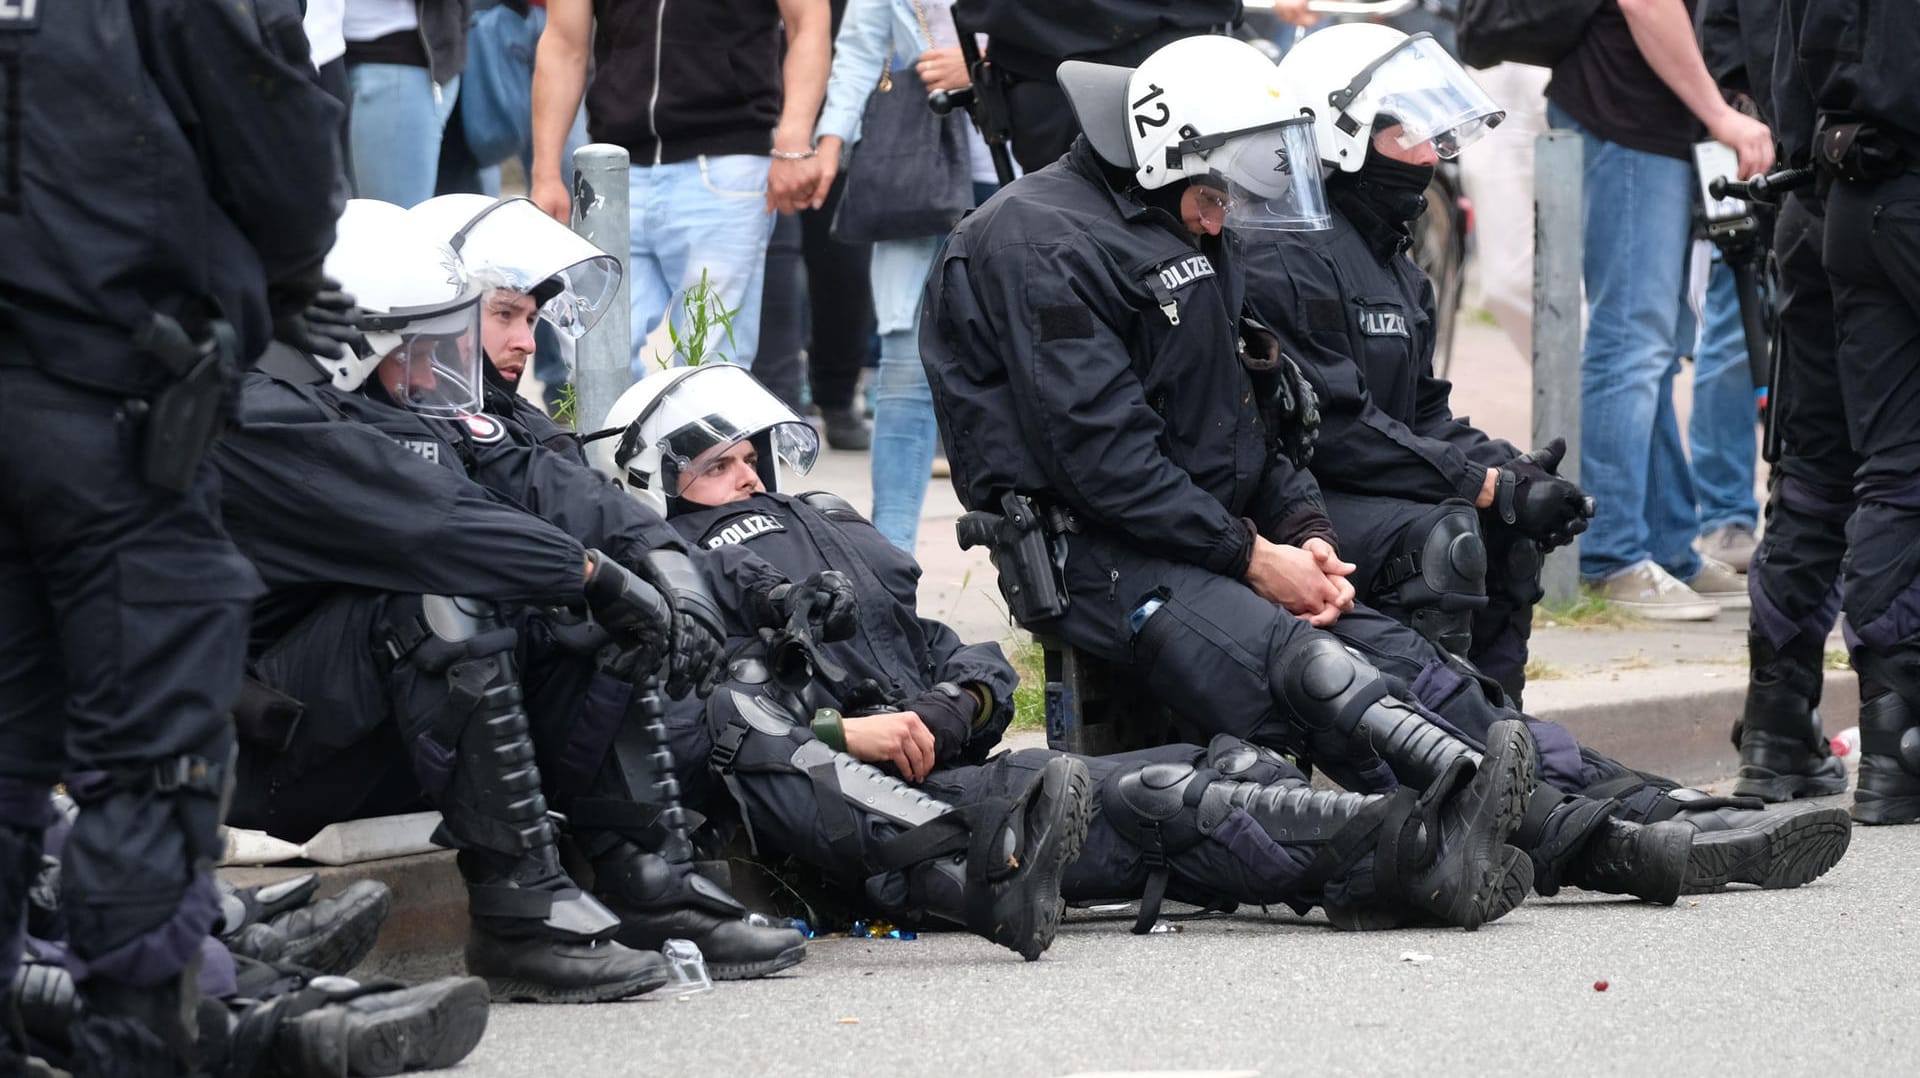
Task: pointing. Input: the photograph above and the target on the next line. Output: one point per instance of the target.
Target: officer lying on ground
(1081, 340)
(1214, 826)
(362, 508)
(273, 1000)
(1402, 477)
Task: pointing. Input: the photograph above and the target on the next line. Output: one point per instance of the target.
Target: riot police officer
(1402, 476)
(1854, 60)
(916, 711)
(363, 510)
(1082, 350)
(166, 195)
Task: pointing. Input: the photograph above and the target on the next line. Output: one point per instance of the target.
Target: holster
(183, 420)
(1857, 152)
(1031, 558)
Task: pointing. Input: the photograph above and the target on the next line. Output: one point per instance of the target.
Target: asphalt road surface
(1820, 980)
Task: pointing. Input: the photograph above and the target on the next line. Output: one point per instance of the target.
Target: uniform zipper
(653, 127)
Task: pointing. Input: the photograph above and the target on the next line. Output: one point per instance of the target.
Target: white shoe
(1653, 593)
(1722, 583)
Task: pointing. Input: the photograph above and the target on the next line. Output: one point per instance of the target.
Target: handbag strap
(920, 13)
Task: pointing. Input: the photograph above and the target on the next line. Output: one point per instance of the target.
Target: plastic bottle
(1846, 742)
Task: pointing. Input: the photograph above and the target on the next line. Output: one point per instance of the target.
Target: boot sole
(1516, 880)
(515, 990)
(1503, 781)
(1066, 837)
(348, 944)
(432, 1034)
(747, 971)
(1878, 810)
(1774, 787)
(1789, 851)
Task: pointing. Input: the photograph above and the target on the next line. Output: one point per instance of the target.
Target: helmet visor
(1269, 178)
(435, 368)
(1432, 97)
(709, 410)
(573, 281)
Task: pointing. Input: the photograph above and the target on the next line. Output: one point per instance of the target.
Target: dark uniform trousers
(1873, 260)
(123, 625)
(359, 749)
(1795, 577)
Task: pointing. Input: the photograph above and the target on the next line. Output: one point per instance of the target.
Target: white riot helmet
(1351, 73)
(1211, 110)
(418, 312)
(671, 422)
(511, 243)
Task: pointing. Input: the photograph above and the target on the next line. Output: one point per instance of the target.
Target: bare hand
(550, 193)
(1337, 571)
(827, 156)
(1294, 12)
(1749, 139)
(790, 184)
(1293, 578)
(898, 738)
(943, 69)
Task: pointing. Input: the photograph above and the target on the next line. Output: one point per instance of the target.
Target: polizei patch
(484, 429)
(19, 14)
(742, 529)
(1383, 324)
(1186, 271)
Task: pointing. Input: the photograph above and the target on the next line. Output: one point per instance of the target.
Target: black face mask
(1381, 199)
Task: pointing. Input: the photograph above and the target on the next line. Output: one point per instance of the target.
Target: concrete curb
(1673, 721)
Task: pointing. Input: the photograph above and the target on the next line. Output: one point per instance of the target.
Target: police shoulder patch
(740, 529)
(484, 429)
(19, 14)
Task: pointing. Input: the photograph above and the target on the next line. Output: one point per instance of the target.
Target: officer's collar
(1081, 159)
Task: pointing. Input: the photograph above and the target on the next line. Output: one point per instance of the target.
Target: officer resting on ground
(898, 770)
(1082, 343)
(409, 589)
(1401, 476)
(166, 197)
(273, 999)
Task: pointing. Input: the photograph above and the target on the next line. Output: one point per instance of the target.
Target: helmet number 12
(1143, 120)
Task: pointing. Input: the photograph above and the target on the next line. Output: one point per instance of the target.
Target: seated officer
(1402, 476)
(1082, 341)
(899, 766)
(368, 498)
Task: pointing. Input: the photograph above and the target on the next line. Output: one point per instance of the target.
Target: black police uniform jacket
(1361, 328)
(1856, 58)
(324, 489)
(901, 653)
(171, 156)
(1083, 349)
(526, 423)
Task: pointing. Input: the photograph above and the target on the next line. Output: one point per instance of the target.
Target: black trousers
(1872, 256)
(834, 327)
(123, 621)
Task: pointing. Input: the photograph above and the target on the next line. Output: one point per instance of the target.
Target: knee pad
(1437, 577)
(1324, 686)
(450, 657)
(1241, 761)
(1154, 806)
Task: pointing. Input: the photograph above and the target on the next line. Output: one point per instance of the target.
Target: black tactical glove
(633, 611)
(698, 628)
(825, 599)
(1533, 499)
(315, 316)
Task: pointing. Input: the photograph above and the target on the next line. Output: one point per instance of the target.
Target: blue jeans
(394, 129)
(1637, 213)
(904, 438)
(1724, 411)
(705, 215)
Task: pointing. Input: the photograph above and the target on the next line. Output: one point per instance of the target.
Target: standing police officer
(1854, 59)
(167, 175)
(1402, 475)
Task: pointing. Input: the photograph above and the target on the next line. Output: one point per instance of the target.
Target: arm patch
(1325, 316)
(1065, 322)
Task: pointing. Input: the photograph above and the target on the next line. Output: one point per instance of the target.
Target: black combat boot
(1889, 789)
(283, 923)
(377, 1029)
(125, 1032)
(1783, 754)
(1006, 886)
(1736, 839)
(1578, 841)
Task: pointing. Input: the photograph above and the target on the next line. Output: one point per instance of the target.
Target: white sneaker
(1651, 592)
(1722, 583)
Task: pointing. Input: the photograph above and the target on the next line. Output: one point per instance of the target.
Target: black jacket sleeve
(1361, 447)
(1289, 509)
(1083, 409)
(239, 77)
(339, 502)
(574, 498)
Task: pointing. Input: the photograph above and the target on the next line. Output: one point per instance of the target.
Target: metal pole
(1559, 241)
(604, 357)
